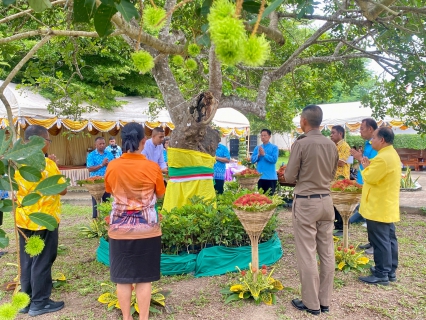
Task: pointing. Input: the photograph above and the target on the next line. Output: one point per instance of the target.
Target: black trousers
(218, 185)
(338, 221)
(95, 211)
(266, 185)
(383, 239)
(36, 272)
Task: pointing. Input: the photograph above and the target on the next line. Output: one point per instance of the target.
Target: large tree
(312, 46)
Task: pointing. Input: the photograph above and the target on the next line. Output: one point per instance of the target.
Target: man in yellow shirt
(343, 169)
(36, 271)
(380, 205)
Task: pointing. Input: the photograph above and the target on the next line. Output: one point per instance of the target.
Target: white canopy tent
(350, 115)
(76, 135)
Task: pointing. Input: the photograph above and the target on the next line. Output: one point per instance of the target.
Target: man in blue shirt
(368, 126)
(153, 149)
(113, 148)
(97, 162)
(222, 158)
(266, 156)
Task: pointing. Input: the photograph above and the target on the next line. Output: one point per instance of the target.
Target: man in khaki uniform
(312, 166)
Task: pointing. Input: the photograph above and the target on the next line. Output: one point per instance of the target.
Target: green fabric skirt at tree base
(211, 261)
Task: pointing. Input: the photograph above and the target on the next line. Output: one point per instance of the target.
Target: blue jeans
(356, 217)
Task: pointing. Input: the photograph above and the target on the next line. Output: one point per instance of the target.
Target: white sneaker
(364, 224)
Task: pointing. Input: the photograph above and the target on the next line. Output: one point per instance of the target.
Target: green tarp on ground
(211, 261)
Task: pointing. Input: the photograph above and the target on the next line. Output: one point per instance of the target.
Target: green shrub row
(202, 224)
(410, 141)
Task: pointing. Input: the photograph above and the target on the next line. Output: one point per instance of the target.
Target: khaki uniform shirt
(312, 164)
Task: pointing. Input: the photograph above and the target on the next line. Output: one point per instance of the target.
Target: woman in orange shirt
(134, 232)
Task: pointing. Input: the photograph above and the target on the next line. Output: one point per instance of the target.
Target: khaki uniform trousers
(313, 223)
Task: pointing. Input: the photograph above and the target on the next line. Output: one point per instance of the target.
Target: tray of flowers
(346, 195)
(248, 178)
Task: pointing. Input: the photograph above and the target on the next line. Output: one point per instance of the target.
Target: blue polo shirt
(370, 153)
(95, 158)
(220, 167)
(266, 163)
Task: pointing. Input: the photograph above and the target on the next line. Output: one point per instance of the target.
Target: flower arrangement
(158, 298)
(348, 259)
(247, 173)
(256, 202)
(91, 180)
(261, 288)
(346, 185)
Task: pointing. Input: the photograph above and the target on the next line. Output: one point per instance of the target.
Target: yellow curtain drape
(47, 123)
(395, 123)
(104, 126)
(353, 126)
(75, 125)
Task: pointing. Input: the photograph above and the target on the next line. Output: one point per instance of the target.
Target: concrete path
(410, 202)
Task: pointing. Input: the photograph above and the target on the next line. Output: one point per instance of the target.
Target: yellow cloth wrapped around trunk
(191, 174)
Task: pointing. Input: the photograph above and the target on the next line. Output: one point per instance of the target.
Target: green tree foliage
(318, 54)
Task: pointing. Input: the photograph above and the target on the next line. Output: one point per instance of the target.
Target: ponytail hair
(131, 135)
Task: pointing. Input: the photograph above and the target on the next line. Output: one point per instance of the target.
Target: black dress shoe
(324, 308)
(298, 304)
(391, 275)
(365, 246)
(375, 280)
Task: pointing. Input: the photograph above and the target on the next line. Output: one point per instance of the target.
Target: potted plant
(248, 178)
(346, 194)
(261, 290)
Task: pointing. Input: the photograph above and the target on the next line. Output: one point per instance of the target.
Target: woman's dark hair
(131, 135)
(165, 140)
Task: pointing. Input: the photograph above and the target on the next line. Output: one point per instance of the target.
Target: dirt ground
(199, 298)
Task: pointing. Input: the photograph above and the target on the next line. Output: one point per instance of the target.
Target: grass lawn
(199, 298)
(281, 160)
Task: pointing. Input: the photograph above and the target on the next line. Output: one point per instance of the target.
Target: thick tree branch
(240, 104)
(272, 34)
(157, 44)
(169, 88)
(43, 32)
(215, 74)
(372, 9)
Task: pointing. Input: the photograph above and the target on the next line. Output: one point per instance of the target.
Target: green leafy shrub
(409, 141)
(200, 224)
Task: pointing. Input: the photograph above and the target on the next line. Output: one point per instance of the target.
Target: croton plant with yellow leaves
(348, 259)
(261, 288)
(158, 298)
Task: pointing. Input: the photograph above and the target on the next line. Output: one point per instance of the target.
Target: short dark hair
(131, 135)
(313, 115)
(339, 129)
(165, 140)
(386, 133)
(111, 138)
(99, 138)
(157, 130)
(35, 130)
(370, 123)
(267, 131)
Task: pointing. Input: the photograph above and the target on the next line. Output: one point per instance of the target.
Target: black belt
(312, 196)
